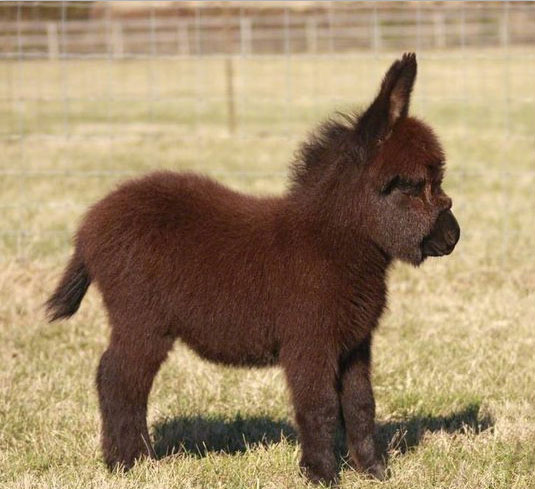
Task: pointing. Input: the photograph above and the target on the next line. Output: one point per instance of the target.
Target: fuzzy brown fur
(297, 280)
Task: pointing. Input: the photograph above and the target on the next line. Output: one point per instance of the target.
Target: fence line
(250, 35)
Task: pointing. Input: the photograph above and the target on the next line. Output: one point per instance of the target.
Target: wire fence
(83, 82)
(334, 29)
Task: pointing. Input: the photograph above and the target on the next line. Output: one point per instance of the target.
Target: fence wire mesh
(93, 92)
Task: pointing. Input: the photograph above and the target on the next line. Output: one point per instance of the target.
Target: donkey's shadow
(199, 435)
(404, 435)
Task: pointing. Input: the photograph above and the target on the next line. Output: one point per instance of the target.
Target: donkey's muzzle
(443, 237)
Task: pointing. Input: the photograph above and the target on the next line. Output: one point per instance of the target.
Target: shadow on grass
(403, 435)
(199, 435)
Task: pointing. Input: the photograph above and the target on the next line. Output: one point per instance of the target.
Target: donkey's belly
(239, 358)
(231, 345)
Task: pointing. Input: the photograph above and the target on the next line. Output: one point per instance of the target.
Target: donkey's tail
(65, 301)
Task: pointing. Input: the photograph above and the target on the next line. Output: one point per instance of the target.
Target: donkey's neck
(335, 236)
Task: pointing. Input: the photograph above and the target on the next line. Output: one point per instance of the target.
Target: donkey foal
(298, 280)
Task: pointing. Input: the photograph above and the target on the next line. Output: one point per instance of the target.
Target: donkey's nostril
(453, 233)
(443, 237)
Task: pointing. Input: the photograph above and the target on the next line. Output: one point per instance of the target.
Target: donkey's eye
(405, 185)
(411, 187)
(391, 185)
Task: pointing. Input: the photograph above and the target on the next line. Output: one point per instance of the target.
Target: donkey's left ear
(392, 102)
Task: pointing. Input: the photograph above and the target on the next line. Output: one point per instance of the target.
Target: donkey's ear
(392, 102)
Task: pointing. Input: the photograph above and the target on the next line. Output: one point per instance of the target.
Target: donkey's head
(380, 174)
(407, 213)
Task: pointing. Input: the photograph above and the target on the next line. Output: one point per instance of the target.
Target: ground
(454, 367)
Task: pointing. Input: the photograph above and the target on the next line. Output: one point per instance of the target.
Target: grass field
(454, 357)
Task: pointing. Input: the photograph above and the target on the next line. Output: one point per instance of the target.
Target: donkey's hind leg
(124, 379)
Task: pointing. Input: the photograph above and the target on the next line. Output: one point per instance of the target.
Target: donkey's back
(168, 217)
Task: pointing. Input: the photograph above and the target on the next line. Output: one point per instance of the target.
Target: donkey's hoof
(319, 473)
(377, 471)
(123, 463)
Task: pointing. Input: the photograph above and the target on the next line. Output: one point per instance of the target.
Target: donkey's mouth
(443, 237)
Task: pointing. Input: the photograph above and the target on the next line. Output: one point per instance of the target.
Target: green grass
(454, 365)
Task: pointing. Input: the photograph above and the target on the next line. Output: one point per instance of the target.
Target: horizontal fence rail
(287, 32)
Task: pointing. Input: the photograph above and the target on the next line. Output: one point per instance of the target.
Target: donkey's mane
(332, 143)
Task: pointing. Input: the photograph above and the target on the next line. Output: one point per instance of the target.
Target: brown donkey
(298, 280)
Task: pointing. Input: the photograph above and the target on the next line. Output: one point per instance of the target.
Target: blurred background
(92, 93)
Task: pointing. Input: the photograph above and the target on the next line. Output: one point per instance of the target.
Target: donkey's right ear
(392, 102)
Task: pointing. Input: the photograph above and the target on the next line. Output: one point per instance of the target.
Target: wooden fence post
(183, 38)
(504, 29)
(440, 30)
(229, 72)
(312, 36)
(246, 35)
(229, 86)
(117, 40)
(52, 40)
(376, 40)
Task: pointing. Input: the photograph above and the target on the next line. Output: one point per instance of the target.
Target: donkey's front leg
(358, 408)
(317, 408)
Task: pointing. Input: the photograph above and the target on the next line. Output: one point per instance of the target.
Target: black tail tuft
(66, 300)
